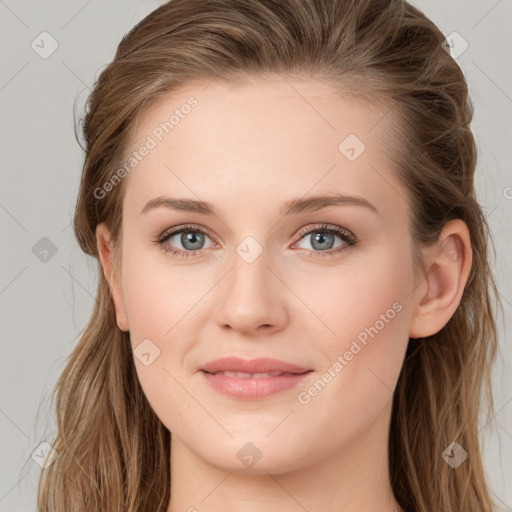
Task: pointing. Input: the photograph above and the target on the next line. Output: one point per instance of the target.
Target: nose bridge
(251, 295)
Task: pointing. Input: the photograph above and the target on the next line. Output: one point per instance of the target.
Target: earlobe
(448, 266)
(106, 255)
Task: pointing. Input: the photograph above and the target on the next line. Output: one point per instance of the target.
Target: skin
(247, 149)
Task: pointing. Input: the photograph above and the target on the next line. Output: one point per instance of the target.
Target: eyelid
(326, 227)
(184, 227)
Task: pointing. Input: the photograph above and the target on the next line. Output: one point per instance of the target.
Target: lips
(238, 367)
(252, 380)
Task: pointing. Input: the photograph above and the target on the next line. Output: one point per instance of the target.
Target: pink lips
(264, 364)
(225, 376)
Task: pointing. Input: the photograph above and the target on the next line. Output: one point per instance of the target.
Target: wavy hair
(113, 451)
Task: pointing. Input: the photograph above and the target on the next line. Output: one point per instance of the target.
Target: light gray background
(44, 305)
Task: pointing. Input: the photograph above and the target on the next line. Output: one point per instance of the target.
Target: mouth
(252, 380)
(263, 365)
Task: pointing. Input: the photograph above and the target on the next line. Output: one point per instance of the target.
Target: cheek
(156, 295)
(365, 300)
(356, 386)
(368, 315)
(158, 305)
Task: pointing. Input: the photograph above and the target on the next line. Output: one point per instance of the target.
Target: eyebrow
(294, 206)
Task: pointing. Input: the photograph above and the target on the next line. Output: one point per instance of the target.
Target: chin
(254, 454)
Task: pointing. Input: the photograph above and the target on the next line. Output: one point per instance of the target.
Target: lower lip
(253, 388)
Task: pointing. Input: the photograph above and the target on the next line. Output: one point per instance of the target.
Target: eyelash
(349, 239)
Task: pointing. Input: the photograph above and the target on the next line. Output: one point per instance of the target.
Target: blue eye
(191, 237)
(321, 238)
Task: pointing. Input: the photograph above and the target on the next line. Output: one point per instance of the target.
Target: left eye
(322, 239)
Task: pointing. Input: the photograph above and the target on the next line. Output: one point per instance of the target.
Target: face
(325, 286)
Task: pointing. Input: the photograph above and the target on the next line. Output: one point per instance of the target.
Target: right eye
(190, 237)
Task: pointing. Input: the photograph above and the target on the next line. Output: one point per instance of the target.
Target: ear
(448, 265)
(105, 250)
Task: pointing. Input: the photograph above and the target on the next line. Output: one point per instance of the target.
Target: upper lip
(261, 365)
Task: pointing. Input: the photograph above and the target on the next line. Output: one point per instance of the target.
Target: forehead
(270, 138)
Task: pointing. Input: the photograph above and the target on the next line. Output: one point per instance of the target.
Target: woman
(294, 309)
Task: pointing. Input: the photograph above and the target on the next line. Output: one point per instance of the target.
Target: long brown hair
(113, 452)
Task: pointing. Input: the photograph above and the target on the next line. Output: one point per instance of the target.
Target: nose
(252, 299)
